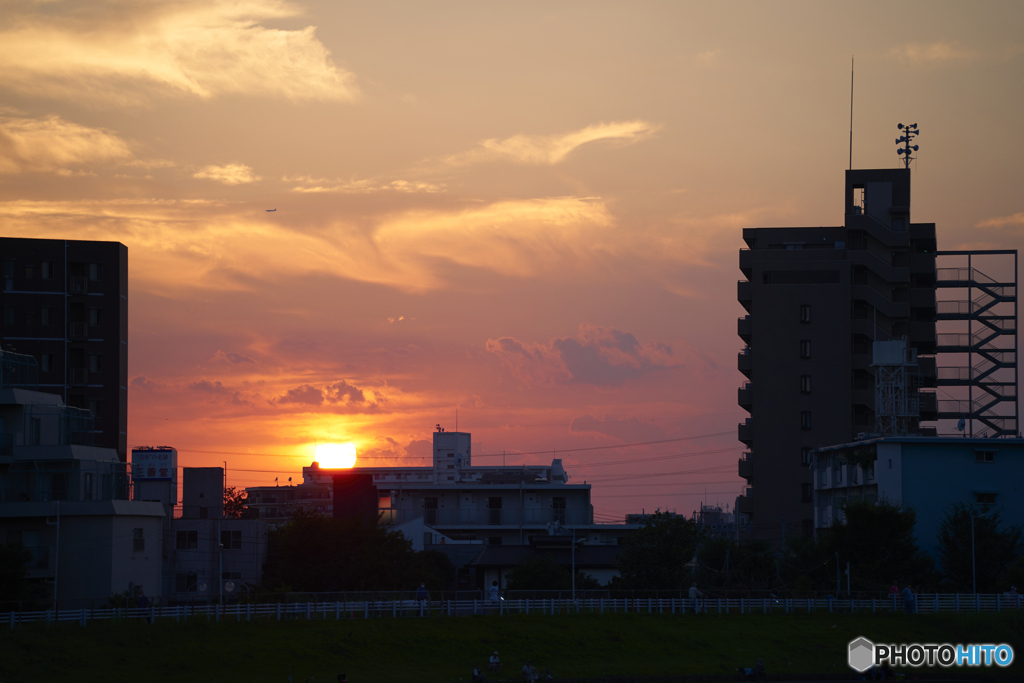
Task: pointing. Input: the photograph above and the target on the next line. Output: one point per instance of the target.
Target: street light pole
(974, 582)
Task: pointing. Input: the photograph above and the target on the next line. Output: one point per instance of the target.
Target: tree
(316, 553)
(995, 548)
(543, 573)
(752, 565)
(878, 541)
(14, 561)
(655, 555)
(236, 503)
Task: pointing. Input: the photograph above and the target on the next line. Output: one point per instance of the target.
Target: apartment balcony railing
(488, 517)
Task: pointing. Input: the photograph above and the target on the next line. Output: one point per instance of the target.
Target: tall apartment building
(817, 299)
(65, 302)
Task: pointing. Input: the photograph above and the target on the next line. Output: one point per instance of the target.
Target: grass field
(440, 649)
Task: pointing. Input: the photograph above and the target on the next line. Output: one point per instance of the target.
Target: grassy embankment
(439, 649)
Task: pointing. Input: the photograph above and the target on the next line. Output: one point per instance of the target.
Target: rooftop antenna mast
(851, 113)
(909, 133)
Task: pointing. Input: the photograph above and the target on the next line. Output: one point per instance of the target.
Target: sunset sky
(525, 212)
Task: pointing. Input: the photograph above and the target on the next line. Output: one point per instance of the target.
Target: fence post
(600, 610)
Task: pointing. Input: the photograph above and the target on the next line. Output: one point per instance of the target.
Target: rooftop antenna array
(909, 133)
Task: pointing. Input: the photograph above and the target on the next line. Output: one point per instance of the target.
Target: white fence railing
(368, 609)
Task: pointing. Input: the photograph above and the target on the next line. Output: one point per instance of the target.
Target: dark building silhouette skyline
(65, 302)
(816, 300)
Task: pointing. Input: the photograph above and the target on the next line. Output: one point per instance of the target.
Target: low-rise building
(923, 473)
(68, 504)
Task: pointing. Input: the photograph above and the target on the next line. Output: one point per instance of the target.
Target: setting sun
(336, 455)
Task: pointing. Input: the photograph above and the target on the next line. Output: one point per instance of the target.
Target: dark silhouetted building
(65, 302)
(817, 299)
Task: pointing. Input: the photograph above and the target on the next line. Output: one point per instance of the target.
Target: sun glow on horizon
(336, 455)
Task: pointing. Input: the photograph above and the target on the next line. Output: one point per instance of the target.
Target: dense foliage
(996, 547)
(315, 553)
(655, 556)
(543, 573)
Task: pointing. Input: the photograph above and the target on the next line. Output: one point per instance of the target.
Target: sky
(526, 214)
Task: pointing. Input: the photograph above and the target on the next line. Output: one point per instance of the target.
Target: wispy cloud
(324, 185)
(598, 356)
(54, 145)
(934, 53)
(1002, 222)
(552, 149)
(115, 53)
(229, 174)
(708, 57)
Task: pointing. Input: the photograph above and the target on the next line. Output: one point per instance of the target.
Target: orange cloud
(553, 149)
(934, 53)
(116, 53)
(52, 145)
(229, 174)
(1001, 222)
(598, 356)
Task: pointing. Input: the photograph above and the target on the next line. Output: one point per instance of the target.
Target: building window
(984, 498)
(806, 494)
(805, 384)
(558, 509)
(231, 576)
(28, 316)
(8, 315)
(430, 510)
(46, 270)
(805, 419)
(46, 362)
(805, 348)
(805, 455)
(984, 456)
(96, 408)
(95, 272)
(231, 540)
(187, 540)
(87, 486)
(805, 314)
(29, 272)
(808, 528)
(138, 541)
(494, 510)
(186, 582)
(96, 317)
(95, 362)
(46, 316)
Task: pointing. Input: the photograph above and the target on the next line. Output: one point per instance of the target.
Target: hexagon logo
(862, 654)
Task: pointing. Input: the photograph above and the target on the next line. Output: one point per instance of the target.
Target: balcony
(79, 285)
(744, 506)
(922, 263)
(743, 293)
(745, 362)
(746, 397)
(79, 376)
(745, 431)
(539, 517)
(746, 469)
(745, 328)
(79, 331)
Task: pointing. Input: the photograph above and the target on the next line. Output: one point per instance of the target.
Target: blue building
(924, 473)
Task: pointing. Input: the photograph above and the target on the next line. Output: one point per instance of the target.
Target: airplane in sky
(269, 210)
